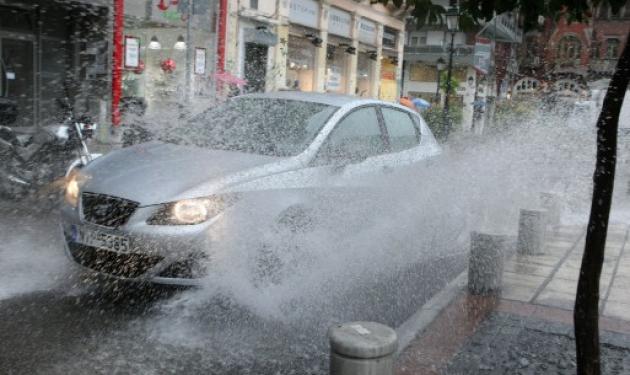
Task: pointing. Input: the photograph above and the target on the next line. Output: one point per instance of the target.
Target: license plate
(102, 240)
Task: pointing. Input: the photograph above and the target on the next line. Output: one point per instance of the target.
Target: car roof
(316, 97)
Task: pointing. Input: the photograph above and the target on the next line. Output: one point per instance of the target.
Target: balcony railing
(440, 50)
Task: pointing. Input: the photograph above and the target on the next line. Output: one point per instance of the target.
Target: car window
(356, 137)
(401, 129)
(264, 126)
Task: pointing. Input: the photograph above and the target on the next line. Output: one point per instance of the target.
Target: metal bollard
(551, 203)
(362, 348)
(531, 232)
(485, 266)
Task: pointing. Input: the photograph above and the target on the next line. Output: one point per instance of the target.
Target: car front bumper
(157, 254)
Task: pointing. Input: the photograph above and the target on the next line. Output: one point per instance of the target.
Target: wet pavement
(52, 324)
(528, 327)
(550, 278)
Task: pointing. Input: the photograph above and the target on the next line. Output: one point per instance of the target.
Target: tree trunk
(586, 312)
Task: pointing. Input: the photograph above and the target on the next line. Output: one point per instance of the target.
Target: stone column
(351, 82)
(320, 53)
(232, 38)
(399, 67)
(469, 98)
(277, 74)
(376, 69)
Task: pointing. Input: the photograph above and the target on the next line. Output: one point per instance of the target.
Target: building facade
(573, 59)
(341, 46)
(477, 86)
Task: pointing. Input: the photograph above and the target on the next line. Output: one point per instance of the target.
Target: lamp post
(452, 21)
(440, 65)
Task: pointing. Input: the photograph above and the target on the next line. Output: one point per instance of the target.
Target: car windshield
(266, 126)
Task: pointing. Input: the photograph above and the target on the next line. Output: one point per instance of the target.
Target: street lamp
(440, 64)
(452, 23)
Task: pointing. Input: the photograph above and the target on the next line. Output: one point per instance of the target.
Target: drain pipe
(117, 60)
(223, 13)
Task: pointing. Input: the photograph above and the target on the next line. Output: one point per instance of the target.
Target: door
(18, 76)
(255, 66)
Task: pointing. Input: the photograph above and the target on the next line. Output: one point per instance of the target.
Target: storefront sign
(304, 12)
(483, 52)
(390, 38)
(200, 60)
(367, 31)
(132, 52)
(339, 22)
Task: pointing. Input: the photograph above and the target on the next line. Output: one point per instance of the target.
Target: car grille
(117, 264)
(105, 210)
(192, 267)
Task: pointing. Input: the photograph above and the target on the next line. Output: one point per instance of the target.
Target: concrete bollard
(551, 203)
(531, 232)
(485, 266)
(362, 348)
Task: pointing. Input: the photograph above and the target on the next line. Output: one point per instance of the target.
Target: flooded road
(49, 323)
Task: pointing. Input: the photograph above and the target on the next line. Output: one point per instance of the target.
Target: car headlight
(71, 193)
(191, 211)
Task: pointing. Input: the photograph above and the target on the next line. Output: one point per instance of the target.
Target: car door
(355, 145)
(408, 141)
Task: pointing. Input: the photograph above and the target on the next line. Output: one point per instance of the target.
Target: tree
(586, 310)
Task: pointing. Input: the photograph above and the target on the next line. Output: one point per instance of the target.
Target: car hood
(155, 172)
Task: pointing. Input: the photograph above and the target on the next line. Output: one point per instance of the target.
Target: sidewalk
(528, 329)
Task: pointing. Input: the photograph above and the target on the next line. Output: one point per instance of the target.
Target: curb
(416, 323)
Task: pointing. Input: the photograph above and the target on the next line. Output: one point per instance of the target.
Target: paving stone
(618, 294)
(617, 310)
(518, 293)
(556, 299)
(527, 269)
(567, 273)
(519, 279)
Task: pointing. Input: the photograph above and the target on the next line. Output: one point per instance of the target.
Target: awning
(260, 36)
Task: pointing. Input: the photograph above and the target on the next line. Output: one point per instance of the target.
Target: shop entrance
(255, 66)
(17, 62)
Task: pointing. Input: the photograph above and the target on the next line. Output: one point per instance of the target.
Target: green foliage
(434, 117)
(443, 82)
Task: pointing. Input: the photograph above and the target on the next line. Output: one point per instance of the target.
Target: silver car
(158, 211)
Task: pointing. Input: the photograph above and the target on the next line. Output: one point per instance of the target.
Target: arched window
(569, 48)
(526, 85)
(612, 48)
(567, 87)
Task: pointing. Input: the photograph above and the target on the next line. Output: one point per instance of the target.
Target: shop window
(569, 48)
(414, 40)
(300, 64)
(336, 69)
(612, 48)
(401, 130)
(16, 19)
(365, 69)
(253, 4)
(356, 137)
(422, 73)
